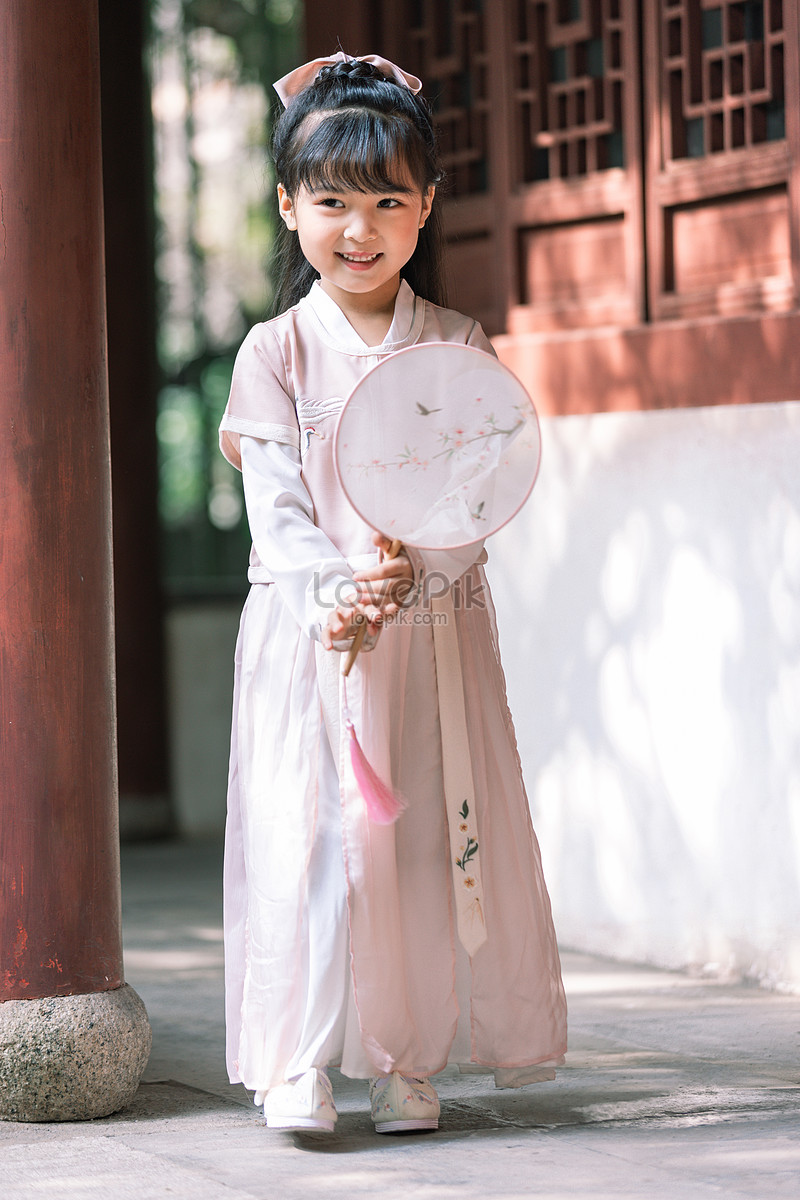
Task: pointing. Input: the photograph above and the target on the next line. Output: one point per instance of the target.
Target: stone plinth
(71, 1058)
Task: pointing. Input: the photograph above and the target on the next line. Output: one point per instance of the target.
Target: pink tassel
(384, 806)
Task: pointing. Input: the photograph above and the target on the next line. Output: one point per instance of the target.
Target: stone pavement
(675, 1088)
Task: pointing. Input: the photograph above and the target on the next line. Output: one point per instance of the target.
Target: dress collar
(336, 331)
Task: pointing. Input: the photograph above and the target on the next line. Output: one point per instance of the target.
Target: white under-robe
(340, 939)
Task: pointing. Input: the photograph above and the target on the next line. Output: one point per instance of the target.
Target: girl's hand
(387, 585)
(343, 622)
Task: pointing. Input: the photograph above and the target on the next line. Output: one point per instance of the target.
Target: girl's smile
(358, 242)
(358, 261)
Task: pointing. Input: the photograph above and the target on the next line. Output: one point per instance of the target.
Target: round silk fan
(438, 446)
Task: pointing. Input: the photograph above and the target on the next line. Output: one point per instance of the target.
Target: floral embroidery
(469, 851)
(471, 848)
(453, 443)
(469, 882)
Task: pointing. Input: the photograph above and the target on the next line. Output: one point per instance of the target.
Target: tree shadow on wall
(653, 651)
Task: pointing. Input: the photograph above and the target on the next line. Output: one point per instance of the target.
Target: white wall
(201, 639)
(649, 606)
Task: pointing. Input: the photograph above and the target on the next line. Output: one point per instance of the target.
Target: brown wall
(680, 364)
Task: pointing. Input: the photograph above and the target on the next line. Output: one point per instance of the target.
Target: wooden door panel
(719, 107)
(738, 240)
(574, 275)
(576, 208)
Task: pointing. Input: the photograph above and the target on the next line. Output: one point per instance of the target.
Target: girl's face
(357, 241)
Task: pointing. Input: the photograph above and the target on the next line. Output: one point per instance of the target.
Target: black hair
(374, 135)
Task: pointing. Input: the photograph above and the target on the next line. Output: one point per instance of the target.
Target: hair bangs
(359, 150)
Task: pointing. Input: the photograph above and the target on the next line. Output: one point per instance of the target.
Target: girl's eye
(388, 202)
(330, 202)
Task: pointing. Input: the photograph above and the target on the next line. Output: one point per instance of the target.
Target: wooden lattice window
(446, 46)
(724, 75)
(568, 98)
(722, 211)
(610, 162)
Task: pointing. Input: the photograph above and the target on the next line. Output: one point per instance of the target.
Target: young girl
(385, 950)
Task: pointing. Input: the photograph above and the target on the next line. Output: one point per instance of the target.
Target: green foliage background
(213, 63)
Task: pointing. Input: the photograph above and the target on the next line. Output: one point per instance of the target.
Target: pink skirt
(420, 1001)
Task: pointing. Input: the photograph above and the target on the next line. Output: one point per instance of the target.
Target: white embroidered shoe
(403, 1103)
(305, 1103)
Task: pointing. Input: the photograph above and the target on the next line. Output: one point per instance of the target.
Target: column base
(72, 1058)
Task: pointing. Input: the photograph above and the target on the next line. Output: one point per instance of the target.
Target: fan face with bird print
(445, 473)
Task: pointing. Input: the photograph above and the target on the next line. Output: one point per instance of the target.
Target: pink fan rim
(418, 347)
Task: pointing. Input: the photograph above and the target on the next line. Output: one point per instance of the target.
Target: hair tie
(301, 77)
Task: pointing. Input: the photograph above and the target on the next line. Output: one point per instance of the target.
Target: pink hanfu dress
(341, 944)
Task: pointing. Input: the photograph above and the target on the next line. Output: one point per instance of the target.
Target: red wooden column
(59, 858)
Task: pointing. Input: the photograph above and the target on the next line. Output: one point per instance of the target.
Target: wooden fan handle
(358, 638)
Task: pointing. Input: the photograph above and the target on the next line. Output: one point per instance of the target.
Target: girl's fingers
(382, 542)
(380, 592)
(388, 568)
(388, 581)
(369, 588)
(339, 624)
(385, 578)
(343, 623)
(374, 591)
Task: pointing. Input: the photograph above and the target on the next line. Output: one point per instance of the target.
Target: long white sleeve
(309, 571)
